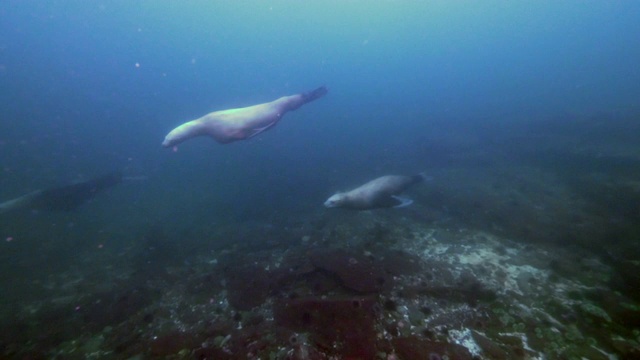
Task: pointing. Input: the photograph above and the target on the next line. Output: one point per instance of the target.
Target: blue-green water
(524, 114)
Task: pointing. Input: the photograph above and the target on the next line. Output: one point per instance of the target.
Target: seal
(62, 198)
(230, 125)
(378, 193)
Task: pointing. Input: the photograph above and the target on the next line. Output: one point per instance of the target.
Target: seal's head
(167, 142)
(336, 200)
(176, 136)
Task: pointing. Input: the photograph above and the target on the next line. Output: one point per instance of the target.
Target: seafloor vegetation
(528, 254)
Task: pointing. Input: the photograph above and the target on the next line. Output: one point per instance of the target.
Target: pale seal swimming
(226, 126)
(378, 193)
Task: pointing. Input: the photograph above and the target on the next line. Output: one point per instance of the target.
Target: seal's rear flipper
(315, 94)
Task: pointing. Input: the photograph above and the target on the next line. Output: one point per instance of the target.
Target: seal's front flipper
(401, 201)
(315, 94)
(393, 201)
(257, 131)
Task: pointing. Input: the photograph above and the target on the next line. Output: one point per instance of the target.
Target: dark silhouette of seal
(63, 198)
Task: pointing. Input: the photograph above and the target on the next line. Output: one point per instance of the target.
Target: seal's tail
(315, 94)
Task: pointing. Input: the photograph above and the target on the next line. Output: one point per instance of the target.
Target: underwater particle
(9, 239)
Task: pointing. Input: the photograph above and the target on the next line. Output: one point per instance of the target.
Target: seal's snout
(332, 202)
(169, 141)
